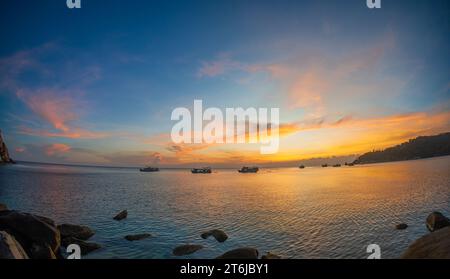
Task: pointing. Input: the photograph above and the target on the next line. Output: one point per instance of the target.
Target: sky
(97, 85)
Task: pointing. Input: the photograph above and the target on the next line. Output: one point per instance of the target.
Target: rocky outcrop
(219, 235)
(121, 215)
(435, 245)
(186, 249)
(86, 247)
(270, 256)
(240, 253)
(10, 248)
(134, 237)
(436, 221)
(4, 155)
(34, 233)
(3, 207)
(77, 231)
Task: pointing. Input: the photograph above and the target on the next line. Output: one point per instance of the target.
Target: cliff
(4, 151)
(418, 148)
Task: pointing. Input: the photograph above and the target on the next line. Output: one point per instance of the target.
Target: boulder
(3, 207)
(133, 237)
(29, 229)
(77, 231)
(435, 245)
(270, 256)
(219, 235)
(240, 253)
(10, 248)
(186, 249)
(39, 251)
(401, 226)
(85, 247)
(436, 221)
(121, 215)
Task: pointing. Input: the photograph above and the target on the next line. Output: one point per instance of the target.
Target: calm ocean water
(308, 213)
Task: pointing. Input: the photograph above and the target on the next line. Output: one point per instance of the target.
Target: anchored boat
(249, 170)
(149, 169)
(202, 170)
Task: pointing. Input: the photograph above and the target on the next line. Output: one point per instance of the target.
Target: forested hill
(421, 147)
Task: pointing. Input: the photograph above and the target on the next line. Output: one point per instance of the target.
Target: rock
(186, 249)
(240, 253)
(435, 245)
(46, 220)
(133, 237)
(401, 226)
(4, 155)
(436, 221)
(29, 229)
(270, 256)
(122, 215)
(219, 235)
(10, 248)
(3, 207)
(42, 252)
(77, 231)
(86, 247)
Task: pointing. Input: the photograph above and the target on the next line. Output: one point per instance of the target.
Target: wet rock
(401, 226)
(270, 256)
(86, 247)
(240, 253)
(121, 215)
(219, 235)
(436, 221)
(3, 207)
(435, 245)
(186, 249)
(38, 251)
(77, 231)
(133, 237)
(29, 229)
(46, 220)
(10, 248)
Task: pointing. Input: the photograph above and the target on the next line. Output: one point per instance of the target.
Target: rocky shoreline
(28, 236)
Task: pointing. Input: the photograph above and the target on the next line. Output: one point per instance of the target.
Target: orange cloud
(57, 148)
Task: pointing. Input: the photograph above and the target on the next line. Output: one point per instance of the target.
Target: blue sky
(97, 85)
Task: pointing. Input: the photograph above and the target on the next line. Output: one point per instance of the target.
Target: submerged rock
(186, 249)
(10, 248)
(435, 245)
(77, 231)
(436, 221)
(3, 207)
(270, 256)
(401, 226)
(86, 247)
(240, 253)
(133, 237)
(30, 230)
(219, 235)
(121, 215)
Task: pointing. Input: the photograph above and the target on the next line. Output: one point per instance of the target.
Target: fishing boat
(149, 169)
(337, 166)
(302, 167)
(324, 165)
(202, 170)
(249, 170)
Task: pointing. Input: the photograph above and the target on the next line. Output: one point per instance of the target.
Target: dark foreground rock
(240, 253)
(435, 245)
(436, 221)
(86, 247)
(121, 215)
(10, 248)
(219, 235)
(3, 207)
(186, 249)
(270, 256)
(134, 237)
(33, 232)
(39, 251)
(77, 231)
(401, 226)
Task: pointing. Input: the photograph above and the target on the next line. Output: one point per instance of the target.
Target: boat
(302, 167)
(149, 169)
(337, 166)
(202, 170)
(324, 165)
(249, 170)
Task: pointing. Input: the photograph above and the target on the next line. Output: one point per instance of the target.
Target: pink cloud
(57, 148)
